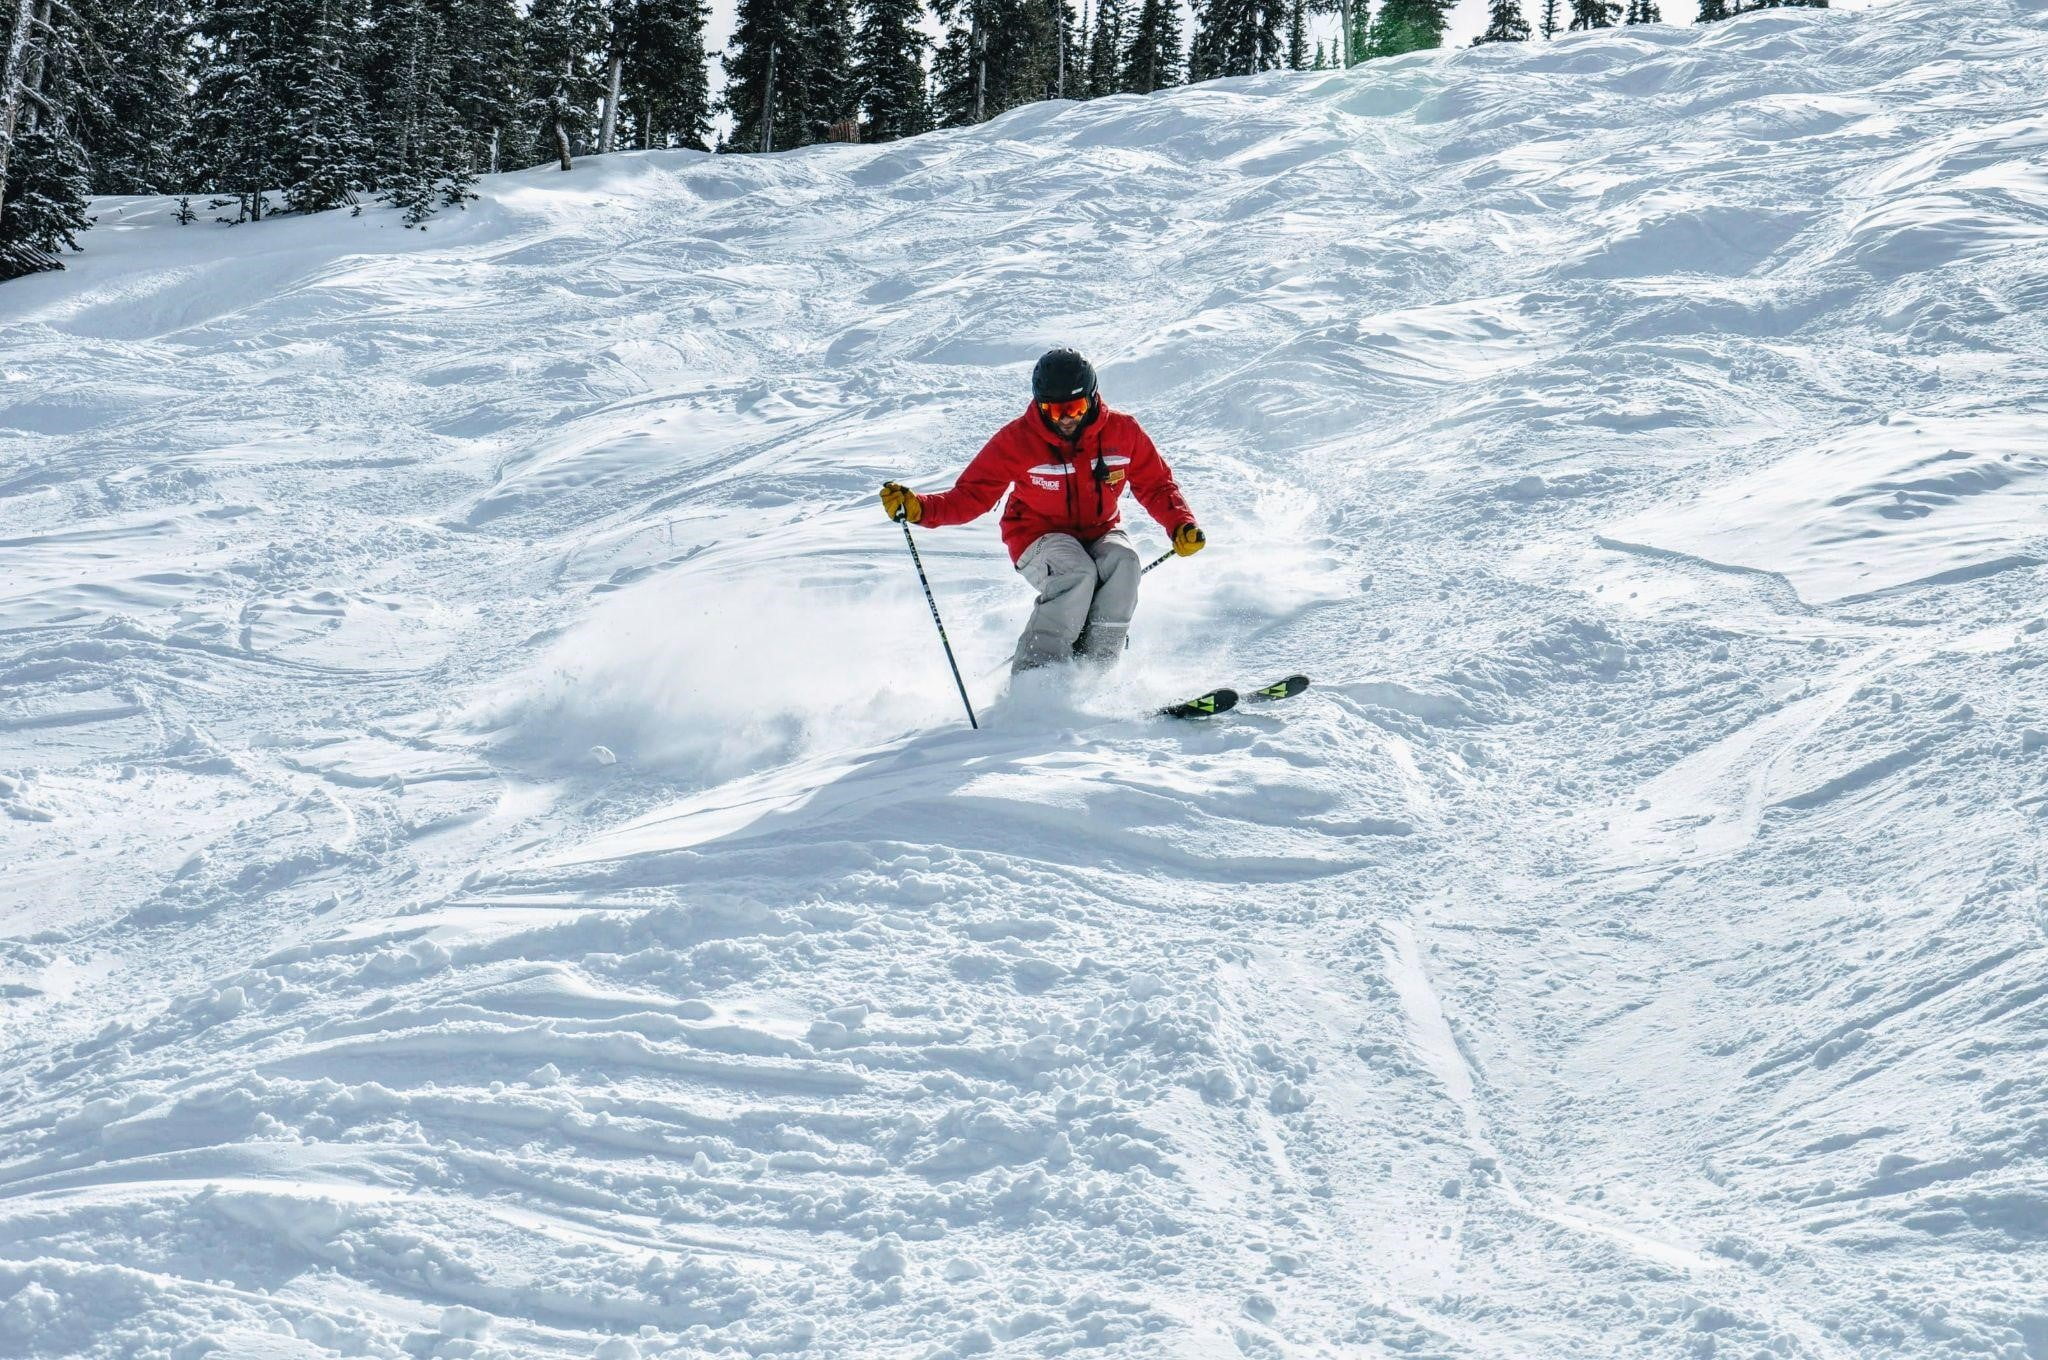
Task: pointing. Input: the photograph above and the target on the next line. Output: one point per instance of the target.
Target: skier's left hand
(1188, 540)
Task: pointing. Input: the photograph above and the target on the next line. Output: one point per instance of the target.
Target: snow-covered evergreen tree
(1643, 12)
(1152, 57)
(137, 68)
(997, 54)
(762, 62)
(1504, 23)
(621, 19)
(1357, 34)
(1594, 14)
(1072, 68)
(44, 211)
(1105, 68)
(889, 68)
(1552, 19)
(325, 149)
(1297, 36)
(825, 89)
(654, 59)
(1236, 38)
(236, 134)
(955, 80)
(43, 180)
(486, 73)
(565, 46)
(1406, 26)
(18, 49)
(426, 156)
(666, 89)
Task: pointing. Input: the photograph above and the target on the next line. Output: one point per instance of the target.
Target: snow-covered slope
(1633, 946)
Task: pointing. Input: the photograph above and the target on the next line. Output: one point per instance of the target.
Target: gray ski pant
(1087, 593)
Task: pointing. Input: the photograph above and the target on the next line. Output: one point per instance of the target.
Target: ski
(1223, 700)
(1203, 705)
(1279, 689)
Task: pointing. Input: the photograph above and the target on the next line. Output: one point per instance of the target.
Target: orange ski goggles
(1065, 410)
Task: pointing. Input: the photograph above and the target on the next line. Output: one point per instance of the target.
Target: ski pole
(1157, 561)
(945, 642)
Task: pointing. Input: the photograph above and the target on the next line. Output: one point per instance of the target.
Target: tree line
(243, 108)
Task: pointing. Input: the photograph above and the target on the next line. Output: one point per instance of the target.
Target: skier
(1065, 462)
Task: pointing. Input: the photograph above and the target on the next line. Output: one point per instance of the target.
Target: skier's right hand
(900, 502)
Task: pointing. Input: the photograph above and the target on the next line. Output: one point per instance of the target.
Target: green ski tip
(1280, 689)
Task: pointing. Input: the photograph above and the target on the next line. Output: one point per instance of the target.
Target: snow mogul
(1065, 463)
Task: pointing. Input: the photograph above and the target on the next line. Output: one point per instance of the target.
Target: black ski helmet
(1061, 375)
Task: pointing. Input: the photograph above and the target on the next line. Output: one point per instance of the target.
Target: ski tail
(1203, 705)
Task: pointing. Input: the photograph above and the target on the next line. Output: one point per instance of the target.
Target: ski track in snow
(1631, 947)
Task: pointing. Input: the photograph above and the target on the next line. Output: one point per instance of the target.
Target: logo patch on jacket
(1116, 475)
(1046, 483)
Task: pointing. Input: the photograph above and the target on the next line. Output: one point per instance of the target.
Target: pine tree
(1504, 23)
(565, 45)
(278, 103)
(43, 180)
(325, 150)
(1713, 10)
(486, 72)
(765, 52)
(996, 55)
(621, 19)
(1320, 64)
(1026, 46)
(18, 29)
(1152, 58)
(1070, 72)
(1106, 50)
(1643, 12)
(45, 205)
(1594, 14)
(1236, 38)
(889, 68)
(666, 89)
(236, 134)
(955, 79)
(132, 130)
(824, 85)
(1406, 26)
(1357, 33)
(426, 156)
(1297, 36)
(1550, 26)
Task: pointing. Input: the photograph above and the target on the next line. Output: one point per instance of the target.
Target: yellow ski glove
(900, 502)
(1188, 540)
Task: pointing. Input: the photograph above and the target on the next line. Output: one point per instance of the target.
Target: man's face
(1066, 416)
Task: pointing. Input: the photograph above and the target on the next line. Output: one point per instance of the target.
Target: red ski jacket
(1058, 487)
